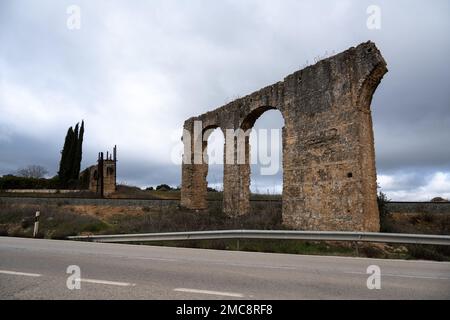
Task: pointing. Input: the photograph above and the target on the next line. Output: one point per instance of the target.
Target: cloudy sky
(135, 70)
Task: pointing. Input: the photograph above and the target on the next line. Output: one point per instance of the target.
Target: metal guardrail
(273, 234)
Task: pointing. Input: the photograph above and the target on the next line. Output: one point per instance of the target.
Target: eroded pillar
(194, 169)
(236, 176)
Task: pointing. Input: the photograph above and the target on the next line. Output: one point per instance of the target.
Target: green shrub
(163, 187)
(3, 230)
(13, 182)
(385, 214)
(428, 252)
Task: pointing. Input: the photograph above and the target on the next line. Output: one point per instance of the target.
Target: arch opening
(213, 155)
(265, 144)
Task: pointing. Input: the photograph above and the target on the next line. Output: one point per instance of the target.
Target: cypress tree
(71, 155)
(64, 165)
(79, 152)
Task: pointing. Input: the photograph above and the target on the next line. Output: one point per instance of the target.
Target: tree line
(33, 176)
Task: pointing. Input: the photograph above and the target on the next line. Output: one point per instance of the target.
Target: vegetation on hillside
(61, 220)
(33, 176)
(382, 201)
(14, 182)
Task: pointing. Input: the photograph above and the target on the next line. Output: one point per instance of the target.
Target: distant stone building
(102, 176)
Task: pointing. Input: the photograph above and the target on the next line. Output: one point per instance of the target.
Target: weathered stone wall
(109, 178)
(94, 179)
(329, 176)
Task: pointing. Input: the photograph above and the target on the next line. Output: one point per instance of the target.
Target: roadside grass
(264, 245)
(419, 223)
(54, 223)
(61, 220)
(175, 219)
(130, 192)
(136, 193)
(436, 253)
(82, 194)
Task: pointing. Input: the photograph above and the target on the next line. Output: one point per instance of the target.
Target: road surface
(37, 269)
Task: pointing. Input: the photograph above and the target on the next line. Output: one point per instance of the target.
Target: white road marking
(403, 276)
(96, 281)
(15, 273)
(217, 293)
(112, 283)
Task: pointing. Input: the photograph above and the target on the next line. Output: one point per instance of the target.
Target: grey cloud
(136, 70)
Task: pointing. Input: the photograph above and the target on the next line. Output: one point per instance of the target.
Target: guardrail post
(36, 224)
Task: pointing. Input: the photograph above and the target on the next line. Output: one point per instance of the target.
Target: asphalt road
(37, 269)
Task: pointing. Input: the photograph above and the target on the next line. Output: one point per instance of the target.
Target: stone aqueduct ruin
(329, 175)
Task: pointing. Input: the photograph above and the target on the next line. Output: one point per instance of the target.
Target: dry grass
(418, 223)
(61, 220)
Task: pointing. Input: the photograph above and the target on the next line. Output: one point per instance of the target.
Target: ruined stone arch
(329, 175)
(207, 131)
(249, 120)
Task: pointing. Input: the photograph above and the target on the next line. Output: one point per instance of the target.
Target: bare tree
(32, 171)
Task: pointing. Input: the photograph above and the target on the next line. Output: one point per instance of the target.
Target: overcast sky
(135, 70)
